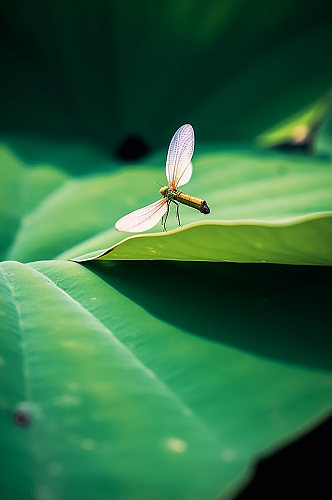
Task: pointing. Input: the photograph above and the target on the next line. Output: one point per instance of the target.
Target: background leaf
(105, 71)
(300, 130)
(158, 413)
(324, 137)
(22, 191)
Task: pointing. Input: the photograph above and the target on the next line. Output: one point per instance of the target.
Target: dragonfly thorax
(169, 193)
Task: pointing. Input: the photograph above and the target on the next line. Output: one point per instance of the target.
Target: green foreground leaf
(304, 241)
(119, 397)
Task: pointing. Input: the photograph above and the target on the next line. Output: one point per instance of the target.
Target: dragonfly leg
(164, 217)
(177, 212)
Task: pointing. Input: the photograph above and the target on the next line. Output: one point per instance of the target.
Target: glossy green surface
(130, 404)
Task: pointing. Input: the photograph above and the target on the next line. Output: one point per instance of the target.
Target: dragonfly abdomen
(192, 201)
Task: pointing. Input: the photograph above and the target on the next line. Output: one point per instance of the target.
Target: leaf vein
(185, 409)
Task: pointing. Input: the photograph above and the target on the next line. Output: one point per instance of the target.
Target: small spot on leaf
(176, 445)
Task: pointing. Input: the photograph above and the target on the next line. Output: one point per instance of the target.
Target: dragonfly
(178, 172)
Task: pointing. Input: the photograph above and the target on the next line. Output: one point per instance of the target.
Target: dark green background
(104, 70)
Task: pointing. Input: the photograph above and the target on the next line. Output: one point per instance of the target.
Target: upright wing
(143, 218)
(180, 151)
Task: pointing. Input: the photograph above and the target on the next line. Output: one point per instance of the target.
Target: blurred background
(123, 75)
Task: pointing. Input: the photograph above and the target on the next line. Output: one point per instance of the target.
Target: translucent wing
(143, 218)
(180, 151)
(185, 176)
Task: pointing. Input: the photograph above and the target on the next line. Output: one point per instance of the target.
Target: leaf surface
(120, 397)
(304, 241)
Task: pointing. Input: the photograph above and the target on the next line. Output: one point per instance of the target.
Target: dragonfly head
(163, 190)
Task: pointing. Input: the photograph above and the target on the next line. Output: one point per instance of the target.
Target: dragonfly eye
(163, 190)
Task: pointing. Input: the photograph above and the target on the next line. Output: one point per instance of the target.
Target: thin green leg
(164, 217)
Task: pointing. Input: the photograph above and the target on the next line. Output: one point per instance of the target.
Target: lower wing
(143, 218)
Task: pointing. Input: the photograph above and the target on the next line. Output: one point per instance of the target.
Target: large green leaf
(79, 215)
(306, 241)
(105, 70)
(116, 402)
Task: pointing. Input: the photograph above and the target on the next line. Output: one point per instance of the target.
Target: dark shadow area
(305, 147)
(132, 148)
(300, 470)
(281, 312)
